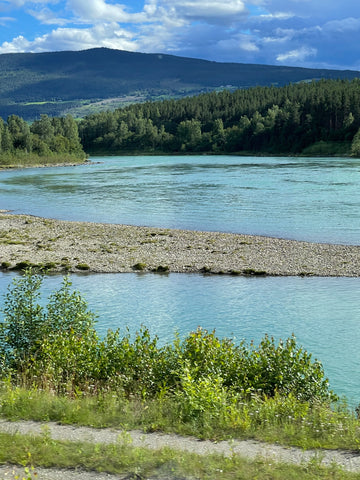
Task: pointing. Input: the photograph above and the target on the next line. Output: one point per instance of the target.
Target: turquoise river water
(306, 199)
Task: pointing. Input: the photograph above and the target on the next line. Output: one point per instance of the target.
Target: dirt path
(350, 461)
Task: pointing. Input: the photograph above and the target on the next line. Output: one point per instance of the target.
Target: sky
(302, 33)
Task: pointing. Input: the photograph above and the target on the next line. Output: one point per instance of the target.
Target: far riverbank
(66, 246)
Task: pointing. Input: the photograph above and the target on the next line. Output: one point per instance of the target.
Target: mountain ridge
(56, 82)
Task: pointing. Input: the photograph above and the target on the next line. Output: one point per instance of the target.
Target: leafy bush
(28, 326)
(21, 330)
(267, 369)
(285, 368)
(57, 347)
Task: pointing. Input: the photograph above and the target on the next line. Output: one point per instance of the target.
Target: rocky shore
(62, 246)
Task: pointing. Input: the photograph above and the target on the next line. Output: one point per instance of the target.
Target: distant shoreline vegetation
(47, 141)
(321, 118)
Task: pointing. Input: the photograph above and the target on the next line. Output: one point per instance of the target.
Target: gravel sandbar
(94, 247)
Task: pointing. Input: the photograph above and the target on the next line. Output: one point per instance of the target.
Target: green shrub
(57, 347)
(284, 368)
(21, 329)
(201, 397)
(139, 266)
(27, 325)
(83, 266)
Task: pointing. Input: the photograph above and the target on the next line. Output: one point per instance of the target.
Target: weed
(161, 269)
(251, 271)
(83, 266)
(139, 266)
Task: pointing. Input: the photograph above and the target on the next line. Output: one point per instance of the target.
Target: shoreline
(69, 246)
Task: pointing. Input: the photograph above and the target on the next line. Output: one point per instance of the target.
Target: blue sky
(305, 33)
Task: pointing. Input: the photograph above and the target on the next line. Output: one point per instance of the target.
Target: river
(305, 199)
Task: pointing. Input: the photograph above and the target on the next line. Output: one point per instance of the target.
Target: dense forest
(310, 118)
(45, 138)
(313, 118)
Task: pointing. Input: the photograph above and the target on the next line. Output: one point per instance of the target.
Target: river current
(304, 199)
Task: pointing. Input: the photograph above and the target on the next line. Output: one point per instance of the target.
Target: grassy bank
(22, 159)
(279, 419)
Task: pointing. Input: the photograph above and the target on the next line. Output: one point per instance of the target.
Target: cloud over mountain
(321, 33)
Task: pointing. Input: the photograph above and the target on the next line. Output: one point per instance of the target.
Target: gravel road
(350, 461)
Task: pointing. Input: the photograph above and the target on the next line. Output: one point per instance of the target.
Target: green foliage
(28, 328)
(317, 118)
(139, 266)
(67, 311)
(54, 82)
(287, 369)
(267, 369)
(21, 329)
(56, 346)
(355, 146)
(45, 138)
(203, 397)
(82, 266)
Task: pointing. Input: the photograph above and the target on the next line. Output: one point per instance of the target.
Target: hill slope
(53, 83)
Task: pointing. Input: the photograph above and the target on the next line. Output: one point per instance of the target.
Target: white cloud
(104, 35)
(207, 11)
(48, 17)
(5, 20)
(276, 16)
(98, 10)
(345, 25)
(238, 44)
(18, 44)
(299, 54)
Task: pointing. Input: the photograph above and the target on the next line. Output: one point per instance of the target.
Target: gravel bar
(66, 246)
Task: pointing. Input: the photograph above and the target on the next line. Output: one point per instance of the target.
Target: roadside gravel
(349, 461)
(83, 246)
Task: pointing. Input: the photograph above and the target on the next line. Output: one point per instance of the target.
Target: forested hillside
(56, 83)
(310, 118)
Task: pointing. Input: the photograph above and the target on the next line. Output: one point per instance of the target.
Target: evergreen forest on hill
(317, 118)
(308, 118)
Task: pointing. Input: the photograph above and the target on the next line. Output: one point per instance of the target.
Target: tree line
(45, 137)
(320, 117)
(273, 120)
